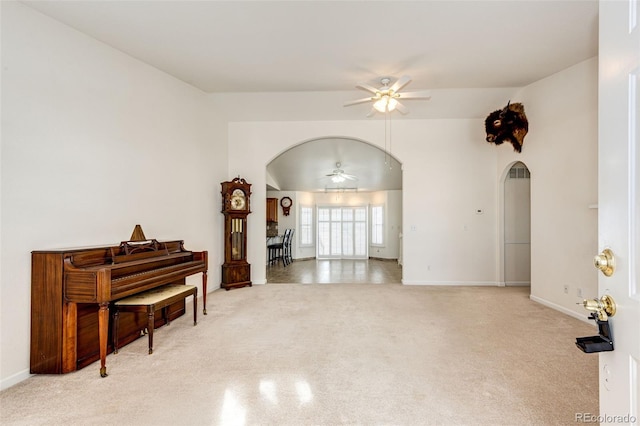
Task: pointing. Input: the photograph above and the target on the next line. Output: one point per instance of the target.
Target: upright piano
(72, 289)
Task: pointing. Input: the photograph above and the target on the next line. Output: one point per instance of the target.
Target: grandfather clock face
(238, 200)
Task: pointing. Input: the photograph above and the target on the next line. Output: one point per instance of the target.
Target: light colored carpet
(356, 354)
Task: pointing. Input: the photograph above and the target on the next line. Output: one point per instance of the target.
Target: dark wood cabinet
(272, 210)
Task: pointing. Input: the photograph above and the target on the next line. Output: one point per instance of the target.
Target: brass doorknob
(605, 262)
(605, 307)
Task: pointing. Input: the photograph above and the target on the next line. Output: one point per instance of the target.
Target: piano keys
(72, 289)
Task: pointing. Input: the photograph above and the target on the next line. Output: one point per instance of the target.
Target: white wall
(448, 173)
(93, 143)
(561, 153)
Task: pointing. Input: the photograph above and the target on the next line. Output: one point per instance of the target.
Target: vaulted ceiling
(307, 166)
(328, 46)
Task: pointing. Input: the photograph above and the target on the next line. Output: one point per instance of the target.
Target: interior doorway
(517, 226)
(333, 183)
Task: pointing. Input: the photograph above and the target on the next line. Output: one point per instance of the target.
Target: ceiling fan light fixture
(385, 103)
(337, 179)
(391, 105)
(381, 104)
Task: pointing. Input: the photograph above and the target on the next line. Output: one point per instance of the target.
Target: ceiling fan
(386, 98)
(338, 175)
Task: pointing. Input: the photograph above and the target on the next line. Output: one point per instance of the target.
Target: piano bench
(151, 300)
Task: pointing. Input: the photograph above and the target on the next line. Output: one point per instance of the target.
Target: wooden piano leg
(151, 324)
(103, 333)
(195, 306)
(204, 292)
(114, 329)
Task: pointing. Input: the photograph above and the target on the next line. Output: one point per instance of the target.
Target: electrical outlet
(566, 289)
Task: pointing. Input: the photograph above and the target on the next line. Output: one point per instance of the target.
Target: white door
(619, 204)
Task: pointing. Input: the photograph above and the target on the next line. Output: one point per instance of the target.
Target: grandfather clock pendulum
(236, 271)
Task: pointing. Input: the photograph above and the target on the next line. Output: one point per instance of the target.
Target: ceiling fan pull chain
(390, 133)
(386, 119)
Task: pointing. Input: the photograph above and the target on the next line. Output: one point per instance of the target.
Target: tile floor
(314, 271)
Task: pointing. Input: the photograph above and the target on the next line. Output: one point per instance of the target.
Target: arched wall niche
(502, 267)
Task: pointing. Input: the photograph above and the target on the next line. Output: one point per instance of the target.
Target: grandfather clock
(236, 271)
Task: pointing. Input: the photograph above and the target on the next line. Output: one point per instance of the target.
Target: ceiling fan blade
(403, 109)
(350, 177)
(400, 83)
(372, 112)
(358, 101)
(366, 87)
(424, 94)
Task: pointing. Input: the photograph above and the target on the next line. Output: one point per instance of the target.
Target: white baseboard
(554, 306)
(581, 317)
(7, 382)
(453, 283)
(518, 283)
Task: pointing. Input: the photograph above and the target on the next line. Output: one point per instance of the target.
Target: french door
(342, 233)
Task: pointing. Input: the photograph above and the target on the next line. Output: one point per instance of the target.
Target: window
(306, 226)
(377, 225)
(342, 233)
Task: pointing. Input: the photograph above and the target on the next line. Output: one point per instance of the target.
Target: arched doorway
(334, 220)
(517, 226)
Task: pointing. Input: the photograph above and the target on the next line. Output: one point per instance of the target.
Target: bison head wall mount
(508, 124)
